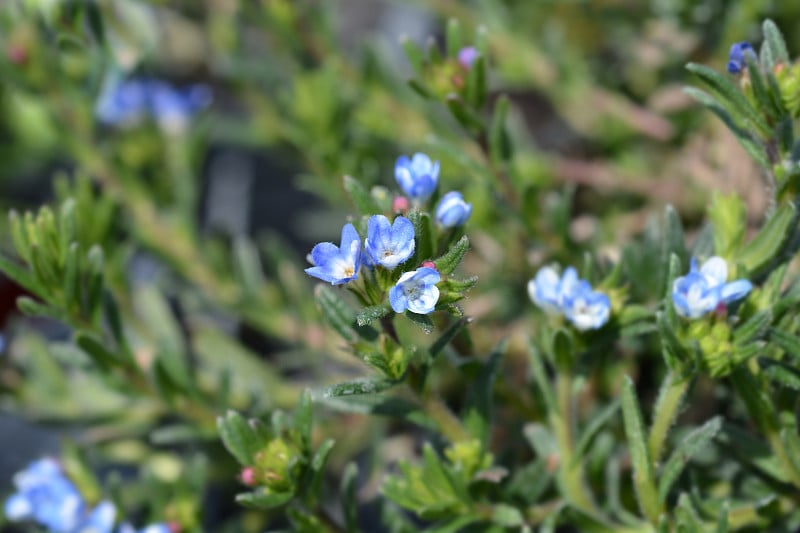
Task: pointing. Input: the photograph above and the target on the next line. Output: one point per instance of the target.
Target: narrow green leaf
(362, 199)
(420, 88)
(264, 498)
(369, 314)
(478, 414)
(777, 45)
(19, 235)
(477, 84)
(507, 516)
(764, 246)
(465, 116)
(413, 53)
(643, 475)
(782, 373)
(347, 489)
(21, 275)
(753, 328)
(732, 95)
(303, 414)
(674, 242)
(94, 348)
(448, 335)
(689, 446)
(31, 307)
(789, 342)
(71, 296)
(759, 89)
(239, 438)
(448, 262)
(729, 222)
(596, 423)
(722, 519)
(95, 282)
(423, 321)
(536, 360)
(424, 238)
(454, 43)
(350, 388)
(336, 312)
(500, 147)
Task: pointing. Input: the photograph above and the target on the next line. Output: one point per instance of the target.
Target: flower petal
(735, 290)
(715, 270)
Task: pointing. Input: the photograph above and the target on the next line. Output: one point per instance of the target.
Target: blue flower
(46, 496)
(586, 308)
(547, 289)
(571, 296)
(337, 265)
(417, 176)
(702, 291)
(736, 58)
(416, 291)
(152, 528)
(125, 103)
(389, 245)
(467, 56)
(453, 210)
(100, 520)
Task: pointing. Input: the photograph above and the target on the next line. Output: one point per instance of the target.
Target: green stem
(445, 420)
(571, 473)
(669, 402)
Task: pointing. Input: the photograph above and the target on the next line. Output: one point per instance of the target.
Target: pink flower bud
(429, 264)
(400, 204)
(248, 476)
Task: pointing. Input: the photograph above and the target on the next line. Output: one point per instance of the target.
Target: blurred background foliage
(204, 227)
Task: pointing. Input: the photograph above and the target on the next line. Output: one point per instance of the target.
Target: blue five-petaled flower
(417, 176)
(416, 291)
(737, 58)
(388, 244)
(337, 264)
(702, 291)
(571, 296)
(452, 210)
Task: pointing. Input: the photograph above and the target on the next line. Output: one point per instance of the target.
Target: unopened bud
(400, 204)
(248, 476)
(429, 264)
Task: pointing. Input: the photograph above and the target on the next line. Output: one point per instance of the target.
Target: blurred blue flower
(453, 210)
(585, 307)
(46, 496)
(467, 56)
(702, 291)
(416, 291)
(125, 103)
(736, 58)
(417, 176)
(547, 288)
(152, 528)
(100, 520)
(389, 245)
(571, 296)
(337, 264)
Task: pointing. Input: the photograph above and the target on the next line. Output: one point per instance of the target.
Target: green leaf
(413, 53)
(21, 275)
(446, 337)
(448, 262)
(507, 516)
(94, 348)
(478, 414)
(477, 85)
(643, 475)
(500, 147)
(759, 90)
(433, 51)
(453, 38)
(71, 284)
(94, 292)
(303, 415)
(31, 307)
(465, 115)
(362, 199)
(336, 312)
(562, 351)
(597, 421)
(423, 321)
(753, 329)
(764, 246)
(536, 361)
(424, 240)
(789, 342)
(369, 314)
(776, 43)
(350, 388)
(689, 446)
(673, 238)
(731, 94)
(239, 438)
(347, 489)
(782, 373)
(729, 222)
(264, 498)
(722, 519)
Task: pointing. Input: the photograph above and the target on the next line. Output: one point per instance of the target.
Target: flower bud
(467, 56)
(400, 204)
(452, 210)
(248, 476)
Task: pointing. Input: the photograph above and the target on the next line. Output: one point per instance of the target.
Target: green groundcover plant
(524, 311)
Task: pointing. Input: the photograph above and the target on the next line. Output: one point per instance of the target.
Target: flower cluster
(737, 61)
(571, 296)
(46, 496)
(705, 290)
(128, 102)
(390, 243)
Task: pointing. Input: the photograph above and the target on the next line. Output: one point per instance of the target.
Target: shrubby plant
(644, 382)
